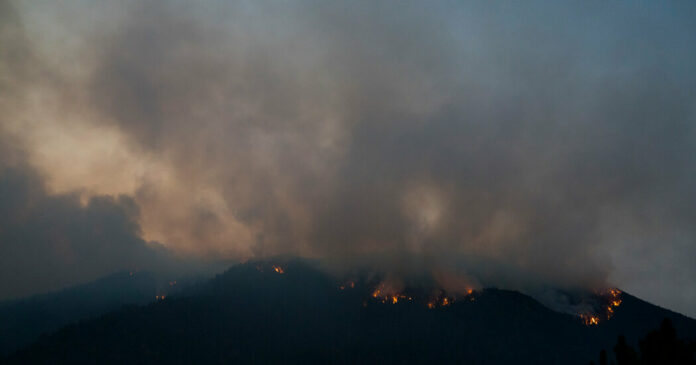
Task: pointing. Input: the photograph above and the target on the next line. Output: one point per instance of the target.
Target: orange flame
(278, 269)
(614, 300)
(589, 319)
(384, 296)
(441, 300)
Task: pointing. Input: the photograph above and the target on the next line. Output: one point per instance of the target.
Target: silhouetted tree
(603, 357)
(659, 347)
(625, 354)
(663, 347)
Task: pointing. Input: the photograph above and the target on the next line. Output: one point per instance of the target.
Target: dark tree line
(659, 347)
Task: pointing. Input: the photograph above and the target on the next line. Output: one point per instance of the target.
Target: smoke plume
(508, 143)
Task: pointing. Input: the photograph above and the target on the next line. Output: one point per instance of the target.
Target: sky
(509, 144)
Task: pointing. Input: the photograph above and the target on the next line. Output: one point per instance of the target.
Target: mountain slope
(23, 320)
(248, 315)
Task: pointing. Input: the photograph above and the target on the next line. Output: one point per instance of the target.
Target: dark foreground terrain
(22, 321)
(253, 314)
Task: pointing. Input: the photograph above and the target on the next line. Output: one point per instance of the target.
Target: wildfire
(386, 292)
(614, 302)
(274, 268)
(613, 298)
(442, 301)
(393, 298)
(589, 320)
(431, 302)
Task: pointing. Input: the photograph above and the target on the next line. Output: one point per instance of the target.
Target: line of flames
(440, 300)
(614, 296)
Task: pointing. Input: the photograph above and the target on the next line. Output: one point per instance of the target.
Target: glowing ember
(349, 284)
(278, 269)
(589, 320)
(386, 296)
(441, 300)
(615, 301)
(393, 298)
(613, 298)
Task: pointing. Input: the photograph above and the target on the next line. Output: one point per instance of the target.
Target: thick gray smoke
(50, 242)
(529, 142)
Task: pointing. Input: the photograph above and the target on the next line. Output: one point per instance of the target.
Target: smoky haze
(508, 143)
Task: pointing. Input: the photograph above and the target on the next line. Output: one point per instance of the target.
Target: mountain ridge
(253, 314)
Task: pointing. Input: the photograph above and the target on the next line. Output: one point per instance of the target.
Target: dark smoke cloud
(511, 143)
(49, 242)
